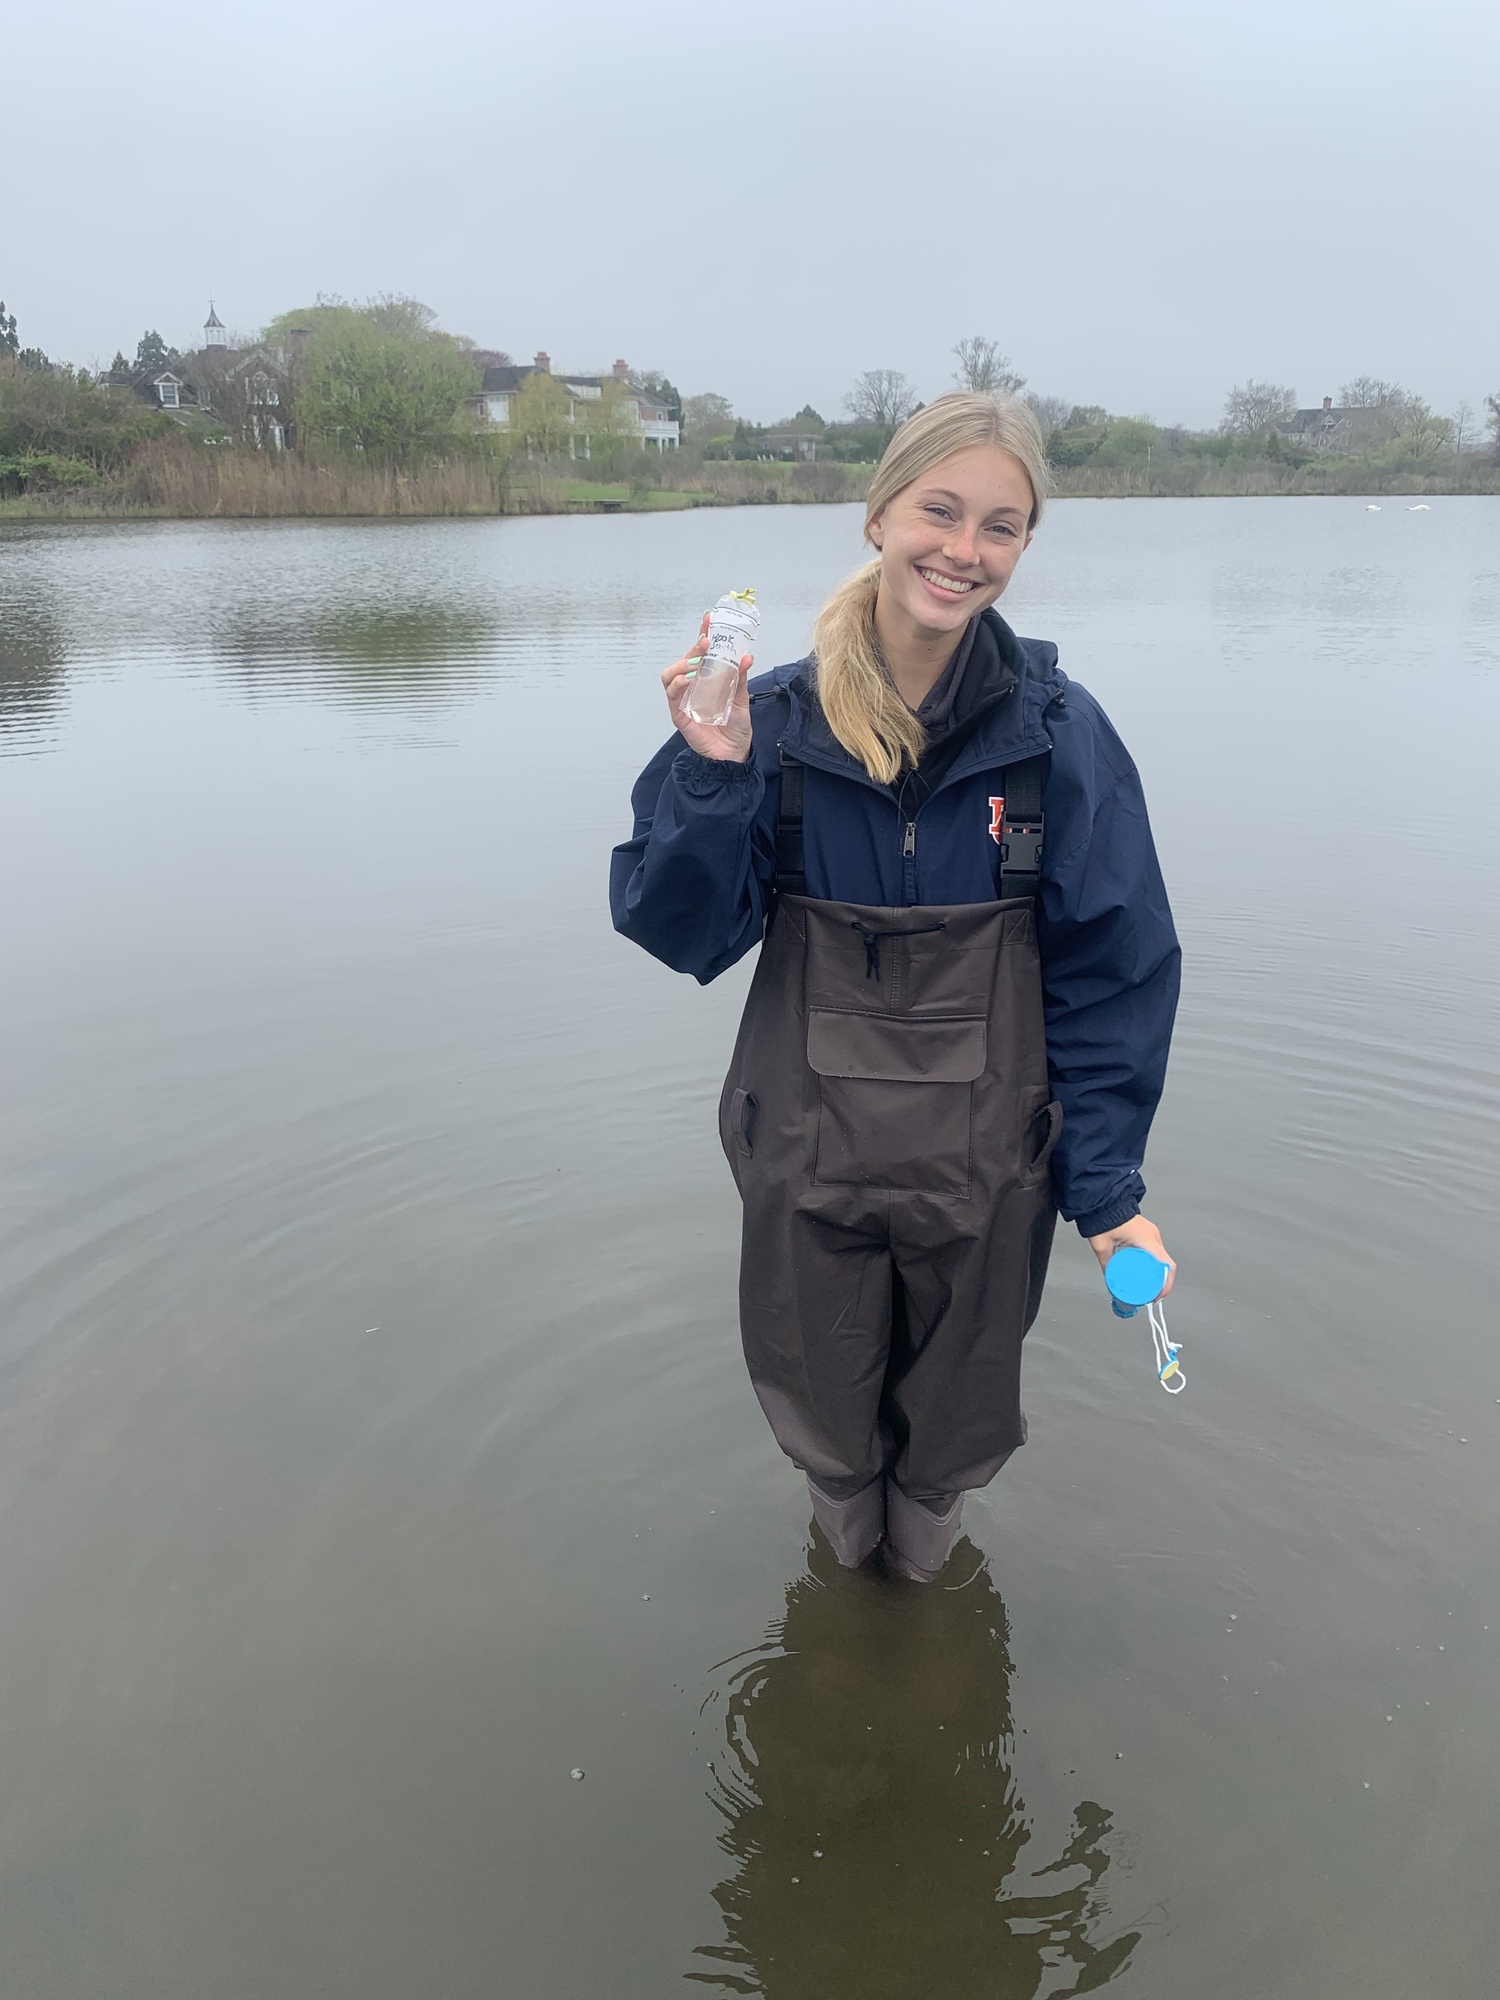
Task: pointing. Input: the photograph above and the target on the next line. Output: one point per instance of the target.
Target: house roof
(1315, 420)
(502, 381)
(213, 318)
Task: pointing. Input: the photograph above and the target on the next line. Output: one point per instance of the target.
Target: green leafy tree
(378, 379)
(606, 429)
(9, 344)
(119, 366)
(541, 416)
(1128, 444)
(56, 412)
(1492, 404)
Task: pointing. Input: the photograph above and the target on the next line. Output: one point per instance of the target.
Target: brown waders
(888, 1121)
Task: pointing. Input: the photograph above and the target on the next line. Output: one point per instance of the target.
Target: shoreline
(752, 484)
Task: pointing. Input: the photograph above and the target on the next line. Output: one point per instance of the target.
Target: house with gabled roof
(244, 389)
(649, 417)
(1329, 429)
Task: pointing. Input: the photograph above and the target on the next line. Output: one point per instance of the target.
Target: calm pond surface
(374, 1442)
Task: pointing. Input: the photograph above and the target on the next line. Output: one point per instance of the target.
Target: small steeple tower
(213, 329)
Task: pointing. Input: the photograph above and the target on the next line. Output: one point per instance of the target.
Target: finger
(687, 665)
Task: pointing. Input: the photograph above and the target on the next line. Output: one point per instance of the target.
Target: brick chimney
(1328, 402)
(621, 371)
(543, 361)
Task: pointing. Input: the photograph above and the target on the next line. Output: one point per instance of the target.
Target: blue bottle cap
(1135, 1278)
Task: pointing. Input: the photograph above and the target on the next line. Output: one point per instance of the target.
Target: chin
(942, 617)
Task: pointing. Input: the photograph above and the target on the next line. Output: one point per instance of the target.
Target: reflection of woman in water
(961, 1010)
(873, 1819)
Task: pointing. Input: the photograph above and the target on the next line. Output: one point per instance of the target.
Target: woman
(960, 1018)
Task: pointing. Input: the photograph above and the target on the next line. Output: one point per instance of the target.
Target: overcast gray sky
(1144, 202)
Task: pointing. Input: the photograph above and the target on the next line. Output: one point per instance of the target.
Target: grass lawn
(591, 493)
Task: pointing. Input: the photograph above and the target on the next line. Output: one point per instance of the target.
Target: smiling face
(948, 544)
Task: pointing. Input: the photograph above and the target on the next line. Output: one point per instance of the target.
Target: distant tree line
(1378, 423)
(380, 383)
(383, 384)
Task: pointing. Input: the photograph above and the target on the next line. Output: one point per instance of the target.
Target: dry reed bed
(201, 484)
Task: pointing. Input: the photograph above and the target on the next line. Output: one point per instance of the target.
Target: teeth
(953, 584)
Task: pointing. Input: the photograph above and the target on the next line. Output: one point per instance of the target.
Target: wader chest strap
(1021, 828)
(790, 877)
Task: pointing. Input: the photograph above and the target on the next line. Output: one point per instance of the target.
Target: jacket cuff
(1103, 1219)
(700, 774)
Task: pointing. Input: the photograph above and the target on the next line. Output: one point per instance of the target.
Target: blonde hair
(864, 710)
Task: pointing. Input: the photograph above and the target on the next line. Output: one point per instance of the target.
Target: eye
(933, 507)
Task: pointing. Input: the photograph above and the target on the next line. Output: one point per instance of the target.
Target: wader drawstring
(872, 941)
(1168, 1373)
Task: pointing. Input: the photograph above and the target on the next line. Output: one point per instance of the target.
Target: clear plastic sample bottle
(732, 626)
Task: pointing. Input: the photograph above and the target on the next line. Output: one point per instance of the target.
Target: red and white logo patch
(997, 819)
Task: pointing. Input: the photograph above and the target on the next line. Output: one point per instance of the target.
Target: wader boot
(918, 1537)
(888, 1121)
(852, 1528)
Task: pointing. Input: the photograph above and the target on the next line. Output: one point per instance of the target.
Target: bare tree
(1492, 404)
(1465, 431)
(1389, 410)
(1051, 412)
(881, 396)
(982, 367)
(1421, 430)
(1253, 408)
(1368, 392)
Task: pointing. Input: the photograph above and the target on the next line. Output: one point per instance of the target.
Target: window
(168, 393)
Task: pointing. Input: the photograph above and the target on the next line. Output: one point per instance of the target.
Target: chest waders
(889, 1125)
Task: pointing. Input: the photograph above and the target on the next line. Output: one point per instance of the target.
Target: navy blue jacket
(695, 881)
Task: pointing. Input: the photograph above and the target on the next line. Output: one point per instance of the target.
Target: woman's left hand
(1140, 1233)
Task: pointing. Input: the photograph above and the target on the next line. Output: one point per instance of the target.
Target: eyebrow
(946, 493)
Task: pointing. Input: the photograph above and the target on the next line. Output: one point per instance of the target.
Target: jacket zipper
(909, 844)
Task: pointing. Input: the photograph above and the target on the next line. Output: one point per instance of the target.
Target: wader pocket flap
(890, 1049)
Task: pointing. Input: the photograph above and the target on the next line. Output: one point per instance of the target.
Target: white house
(649, 417)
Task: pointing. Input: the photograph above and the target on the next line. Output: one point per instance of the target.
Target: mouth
(951, 588)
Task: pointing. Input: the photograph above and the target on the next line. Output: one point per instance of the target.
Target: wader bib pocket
(897, 1034)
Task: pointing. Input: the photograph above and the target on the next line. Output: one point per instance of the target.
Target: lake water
(375, 1447)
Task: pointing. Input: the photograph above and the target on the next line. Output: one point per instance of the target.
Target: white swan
(1420, 508)
(1372, 508)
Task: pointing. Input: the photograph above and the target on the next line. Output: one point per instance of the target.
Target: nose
(962, 546)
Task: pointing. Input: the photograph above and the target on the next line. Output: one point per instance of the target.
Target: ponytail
(857, 695)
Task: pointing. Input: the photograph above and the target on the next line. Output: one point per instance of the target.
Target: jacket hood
(1008, 685)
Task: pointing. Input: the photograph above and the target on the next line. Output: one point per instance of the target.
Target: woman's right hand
(731, 743)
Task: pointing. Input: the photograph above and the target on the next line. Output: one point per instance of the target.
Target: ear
(876, 530)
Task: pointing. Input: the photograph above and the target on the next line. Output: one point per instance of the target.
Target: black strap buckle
(1021, 846)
